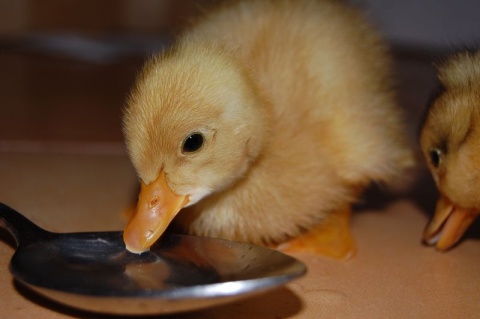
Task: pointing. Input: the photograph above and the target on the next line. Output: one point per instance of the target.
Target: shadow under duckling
(450, 142)
(262, 124)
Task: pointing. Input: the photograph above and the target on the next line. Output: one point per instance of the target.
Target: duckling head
(193, 125)
(450, 142)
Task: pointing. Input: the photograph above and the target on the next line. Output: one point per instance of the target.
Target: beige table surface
(392, 276)
(63, 165)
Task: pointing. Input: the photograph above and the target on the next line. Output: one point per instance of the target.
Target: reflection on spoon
(94, 272)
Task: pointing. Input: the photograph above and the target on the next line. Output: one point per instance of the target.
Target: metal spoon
(94, 272)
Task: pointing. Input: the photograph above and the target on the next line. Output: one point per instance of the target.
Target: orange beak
(448, 224)
(156, 208)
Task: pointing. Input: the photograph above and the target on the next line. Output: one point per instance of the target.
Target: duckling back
(333, 125)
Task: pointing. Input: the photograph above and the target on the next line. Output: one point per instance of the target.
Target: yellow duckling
(450, 141)
(265, 120)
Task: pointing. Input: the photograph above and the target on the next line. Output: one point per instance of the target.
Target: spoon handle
(22, 229)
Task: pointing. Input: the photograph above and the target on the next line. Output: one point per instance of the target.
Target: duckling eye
(192, 143)
(435, 156)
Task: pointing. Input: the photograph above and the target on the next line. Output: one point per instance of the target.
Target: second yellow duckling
(450, 141)
(265, 120)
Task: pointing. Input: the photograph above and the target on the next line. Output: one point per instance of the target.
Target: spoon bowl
(93, 271)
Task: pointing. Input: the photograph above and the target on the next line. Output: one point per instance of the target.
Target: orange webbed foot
(332, 238)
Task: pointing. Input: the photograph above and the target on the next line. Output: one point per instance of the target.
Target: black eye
(192, 143)
(435, 156)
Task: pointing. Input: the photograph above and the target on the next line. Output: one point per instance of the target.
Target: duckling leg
(331, 238)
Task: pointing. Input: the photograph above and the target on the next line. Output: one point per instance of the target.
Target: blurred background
(66, 68)
(66, 65)
(426, 23)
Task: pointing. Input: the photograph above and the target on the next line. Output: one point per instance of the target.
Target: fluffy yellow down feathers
(265, 119)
